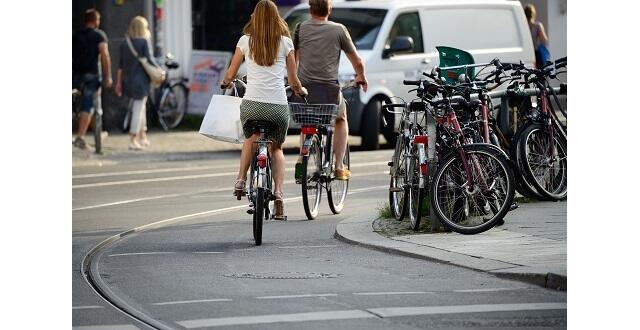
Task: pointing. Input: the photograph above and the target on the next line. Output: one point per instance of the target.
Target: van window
(471, 28)
(408, 25)
(363, 24)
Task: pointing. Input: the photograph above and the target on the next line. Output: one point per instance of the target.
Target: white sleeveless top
(266, 83)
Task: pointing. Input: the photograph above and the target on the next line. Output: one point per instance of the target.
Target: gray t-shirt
(318, 45)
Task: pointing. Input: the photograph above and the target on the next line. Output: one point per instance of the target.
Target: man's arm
(106, 63)
(358, 67)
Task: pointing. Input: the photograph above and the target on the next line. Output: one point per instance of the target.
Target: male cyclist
(318, 42)
(88, 44)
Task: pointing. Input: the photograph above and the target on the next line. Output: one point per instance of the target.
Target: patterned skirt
(276, 113)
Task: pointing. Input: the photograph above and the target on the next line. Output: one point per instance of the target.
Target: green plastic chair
(450, 56)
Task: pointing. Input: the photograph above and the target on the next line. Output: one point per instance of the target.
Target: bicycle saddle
(256, 125)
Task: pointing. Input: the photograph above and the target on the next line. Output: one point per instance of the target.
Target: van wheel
(388, 132)
(370, 129)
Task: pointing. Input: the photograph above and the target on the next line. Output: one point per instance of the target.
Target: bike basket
(313, 114)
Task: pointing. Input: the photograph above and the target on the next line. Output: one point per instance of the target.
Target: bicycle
(96, 114)
(539, 144)
(167, 104)
(317, 121)
(408, 167)
(472, 189)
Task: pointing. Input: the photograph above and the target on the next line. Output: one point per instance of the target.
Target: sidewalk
(531, 246)
(165, 146)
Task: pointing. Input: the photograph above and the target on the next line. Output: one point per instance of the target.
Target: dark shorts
(88, 84)
(275, 113)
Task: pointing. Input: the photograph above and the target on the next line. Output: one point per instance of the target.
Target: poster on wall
(206, 73)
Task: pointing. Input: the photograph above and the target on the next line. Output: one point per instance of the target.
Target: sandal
(278, 207)
(239, 189)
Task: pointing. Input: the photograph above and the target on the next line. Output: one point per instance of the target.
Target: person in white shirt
(268, 50)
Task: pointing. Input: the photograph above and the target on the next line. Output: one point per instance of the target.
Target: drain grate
(283, 275)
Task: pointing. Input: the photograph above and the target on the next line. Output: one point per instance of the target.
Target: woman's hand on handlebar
(225, 84)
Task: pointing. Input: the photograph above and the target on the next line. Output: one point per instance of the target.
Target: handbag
(156, 74)
(222, 120)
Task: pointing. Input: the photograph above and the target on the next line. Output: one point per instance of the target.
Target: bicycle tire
(450, 180)
(97, 132)
(172, 106)
(550, 181)
(417, 192)
(338, 188)
(522, 185)
(398, 180)
(311, 179)
(258, 215)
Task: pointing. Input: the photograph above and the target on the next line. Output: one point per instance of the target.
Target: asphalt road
(196, 265)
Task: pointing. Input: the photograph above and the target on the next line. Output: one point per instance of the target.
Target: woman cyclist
(268, 50)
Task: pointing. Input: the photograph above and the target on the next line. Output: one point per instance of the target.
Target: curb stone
(360, 232)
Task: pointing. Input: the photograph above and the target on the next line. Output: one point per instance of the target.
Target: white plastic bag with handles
(222, 120)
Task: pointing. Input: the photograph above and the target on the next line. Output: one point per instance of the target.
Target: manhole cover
(283, 276)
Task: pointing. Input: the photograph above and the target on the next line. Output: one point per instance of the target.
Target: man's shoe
(80, 143)
(342, 174)
(298, 173)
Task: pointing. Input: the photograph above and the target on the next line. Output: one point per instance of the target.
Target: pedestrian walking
(318, 42)
(538, 35)
(133, 81)
(88, 46)
(268, 51)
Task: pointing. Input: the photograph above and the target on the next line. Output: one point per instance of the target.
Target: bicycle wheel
(544, 162)
(172, 106)
(398, 181)
(258, 215)
(97, 131)
(521, 183)
(416, 190)
(311, 185)
(338, 188)
(472, 208)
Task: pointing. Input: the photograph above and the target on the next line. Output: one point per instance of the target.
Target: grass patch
(387, 225)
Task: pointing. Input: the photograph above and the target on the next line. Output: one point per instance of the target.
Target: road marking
(188, 168)
(86, 307)
(106, 327)
(210, 252)
(171, 178)
(184, 177)
(369, 313)
(389, 293)
(490, 289)
(306, 246)
(299, 296)
(138, 253)
(459, 309)
(189, 301)
(184, 194)
(276, 318)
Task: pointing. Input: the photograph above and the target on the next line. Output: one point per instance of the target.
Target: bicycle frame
(325, 152)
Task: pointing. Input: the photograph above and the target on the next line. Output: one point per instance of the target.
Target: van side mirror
(400, 44)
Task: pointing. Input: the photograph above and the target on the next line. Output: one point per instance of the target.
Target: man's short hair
(319, 7)
(91, 15)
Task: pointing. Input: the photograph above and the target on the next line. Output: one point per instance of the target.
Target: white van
(485, 28)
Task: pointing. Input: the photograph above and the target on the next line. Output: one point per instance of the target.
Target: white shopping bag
(222, 120)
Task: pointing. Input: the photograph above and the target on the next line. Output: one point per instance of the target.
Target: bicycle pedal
(390, 164)
(250, 211)
(514, 206)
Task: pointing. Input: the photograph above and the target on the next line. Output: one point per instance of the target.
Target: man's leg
(340, 135)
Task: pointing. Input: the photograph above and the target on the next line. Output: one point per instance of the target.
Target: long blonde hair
(265, 29)
(139, 28)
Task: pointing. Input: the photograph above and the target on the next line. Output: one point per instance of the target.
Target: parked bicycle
(538, 143)
(96, 115)
(167, 104)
